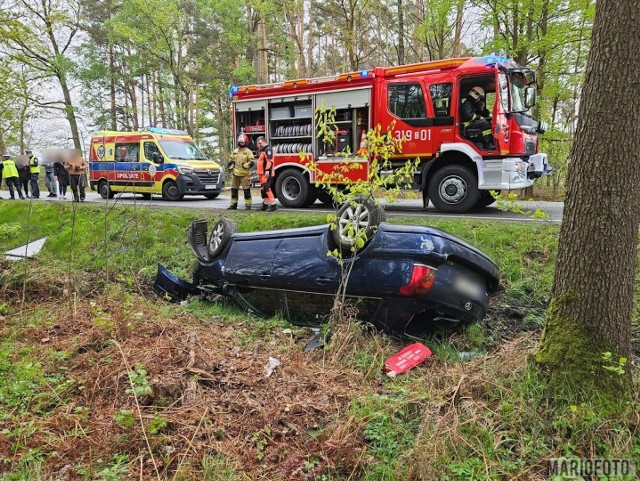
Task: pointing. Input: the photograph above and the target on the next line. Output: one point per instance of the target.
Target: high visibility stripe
(486, 132)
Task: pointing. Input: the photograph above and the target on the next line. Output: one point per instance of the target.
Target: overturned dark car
(404, 277)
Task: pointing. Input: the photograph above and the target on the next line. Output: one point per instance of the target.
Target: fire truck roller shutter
(345, 98)
(253, 105)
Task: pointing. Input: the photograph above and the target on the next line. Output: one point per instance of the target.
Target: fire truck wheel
(170, 191)
(105, 191)
(220, 236)
(325, 198)
(292, 188)
(454, 188)
(211, 196)
(311, 196)
(357, 220)
(486, 199)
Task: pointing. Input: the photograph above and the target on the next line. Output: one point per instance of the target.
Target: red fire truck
(422, 103)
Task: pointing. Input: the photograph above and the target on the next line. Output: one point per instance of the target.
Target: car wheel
(105, 190)
(170, 191)
(360, 215)
(486, 199)
(146, 196)
(220, 236)
(292, 188)
(211, 196)
(454, 188)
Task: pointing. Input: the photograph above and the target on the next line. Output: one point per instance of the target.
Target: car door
(148, 167)
(406, 112)
(301, 263)
(127, 175)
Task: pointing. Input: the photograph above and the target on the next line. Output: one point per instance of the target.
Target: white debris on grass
(27, 251)
(271, 366)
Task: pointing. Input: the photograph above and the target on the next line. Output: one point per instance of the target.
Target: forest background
(72, 67)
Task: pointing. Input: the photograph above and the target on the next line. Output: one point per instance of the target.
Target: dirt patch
(207, 395)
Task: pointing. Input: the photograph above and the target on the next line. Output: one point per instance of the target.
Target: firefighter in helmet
(265, 172)
(241, 161)
(476, 116)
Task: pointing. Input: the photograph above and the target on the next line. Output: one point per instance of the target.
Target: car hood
(197, 164)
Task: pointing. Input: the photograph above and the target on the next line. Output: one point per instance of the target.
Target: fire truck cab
(153, 161)
(421, 103)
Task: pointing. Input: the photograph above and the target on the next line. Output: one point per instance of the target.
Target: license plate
(209, 187)
(467, 287)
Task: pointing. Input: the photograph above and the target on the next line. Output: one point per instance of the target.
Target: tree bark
(592, 296)
(400, 33)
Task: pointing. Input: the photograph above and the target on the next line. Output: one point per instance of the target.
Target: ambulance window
(149, 149)
(441, 99)
(129, 152)
(406, 101)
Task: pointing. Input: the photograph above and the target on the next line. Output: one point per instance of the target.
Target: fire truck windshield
(180, 150)
(518, 87)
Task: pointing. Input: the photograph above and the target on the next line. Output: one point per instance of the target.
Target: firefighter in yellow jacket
(241, 161)
(10, 175)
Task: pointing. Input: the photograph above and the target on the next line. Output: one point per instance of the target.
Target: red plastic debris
(406, 359)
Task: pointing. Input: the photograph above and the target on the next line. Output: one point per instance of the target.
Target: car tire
(146, 196)
(369, 216)
(170, 191)
(292, 188)
(105, 190)
(211, 196)
(220, 236)
(485, 200)
(454, 188)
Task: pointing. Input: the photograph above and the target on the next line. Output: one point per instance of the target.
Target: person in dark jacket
(62, 176)
(24, 175)
(476, 116)
(50, 179)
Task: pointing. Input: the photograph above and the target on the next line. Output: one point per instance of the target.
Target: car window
(310, 309)
(129, 152)
(149, 149)
(267, 302)
(406, 101)
(441, 98)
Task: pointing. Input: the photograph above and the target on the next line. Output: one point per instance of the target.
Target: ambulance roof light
(163, 131)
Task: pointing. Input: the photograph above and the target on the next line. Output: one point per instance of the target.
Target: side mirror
(157, 158)
(530, 96)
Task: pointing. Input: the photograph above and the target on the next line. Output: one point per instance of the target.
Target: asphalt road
(403, 208)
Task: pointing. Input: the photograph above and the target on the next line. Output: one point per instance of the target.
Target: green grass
(499, 420)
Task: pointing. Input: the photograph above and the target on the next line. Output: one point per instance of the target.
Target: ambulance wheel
(357, 220)
(211, 196)
(170, 191)
(454, 188)
(146, 196)
(220, 236)
(105, 190)
(292, 188)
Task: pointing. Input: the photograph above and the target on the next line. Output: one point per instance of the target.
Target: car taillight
(422, 279)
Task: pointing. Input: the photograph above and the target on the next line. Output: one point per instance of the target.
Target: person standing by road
(11, 176)
(241, 161)
(62, 177)
(34, 172)
(265, 172)
(76, 168)
(50, 179)
(23, 178)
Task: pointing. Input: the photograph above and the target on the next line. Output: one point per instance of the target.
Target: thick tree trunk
(457, 37)
(262, 59)
(592, 297)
